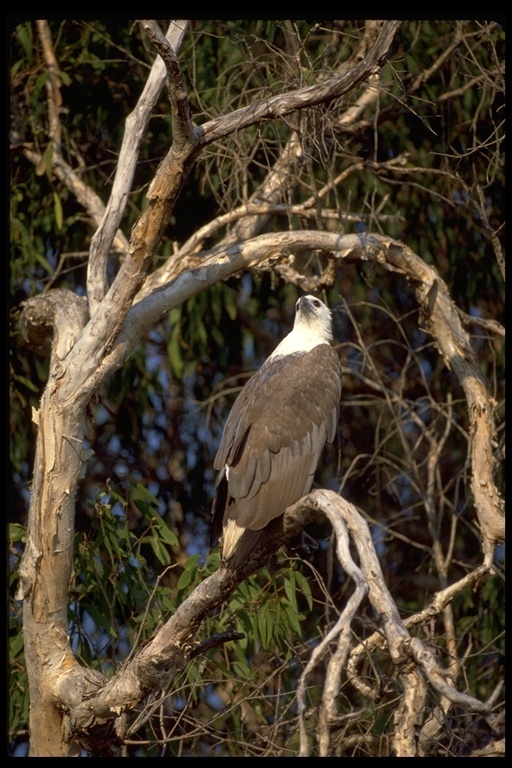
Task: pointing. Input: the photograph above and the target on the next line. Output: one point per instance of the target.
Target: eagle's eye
(316, 303)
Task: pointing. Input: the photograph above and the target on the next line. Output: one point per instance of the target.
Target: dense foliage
(424, 164)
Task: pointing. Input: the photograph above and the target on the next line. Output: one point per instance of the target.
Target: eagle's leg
(304, 545)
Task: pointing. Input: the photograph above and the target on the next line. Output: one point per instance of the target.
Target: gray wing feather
(276, 432)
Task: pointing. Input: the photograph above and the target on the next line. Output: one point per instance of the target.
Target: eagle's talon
(304, 545)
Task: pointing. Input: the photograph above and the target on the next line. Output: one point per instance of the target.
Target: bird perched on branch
(275, 433)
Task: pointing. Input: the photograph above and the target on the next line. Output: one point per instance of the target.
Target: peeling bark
(46, 565)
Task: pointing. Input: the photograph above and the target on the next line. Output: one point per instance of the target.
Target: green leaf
(242, 669)
(111, 493)
(24, 34)
(189, 572)
(174, 354)
(161, 552)
(40, 81)
(230, 304)
(16, 645)
(304, 587)
(16, 68)
(65, 78)
(27, 383)
(16, 532)
(44, 263)
(265, 625)
(293, 620)
(167, 535)
(244, 623)
(140, 490)
(184, 580)
(57, 208)
(289, 588)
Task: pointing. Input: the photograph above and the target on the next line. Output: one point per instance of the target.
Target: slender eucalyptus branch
(135, 129)
(319, 93)
(85, 195)
(183, 128)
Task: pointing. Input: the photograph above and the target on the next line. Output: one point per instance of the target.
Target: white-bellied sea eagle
(276, 432)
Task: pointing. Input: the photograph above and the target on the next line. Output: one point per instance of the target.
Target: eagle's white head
(312, 326)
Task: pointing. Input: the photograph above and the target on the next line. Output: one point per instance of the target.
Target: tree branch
(393, 633)
(135, 127)
(91, 202)
(341, 632)
(157, 663)
(319, 93)
(441, 318)
(46, 564)
(183, 130)
(50, 323)
(110, 309)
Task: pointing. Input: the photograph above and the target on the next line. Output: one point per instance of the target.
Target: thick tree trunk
(46, 566)
(47, 563)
